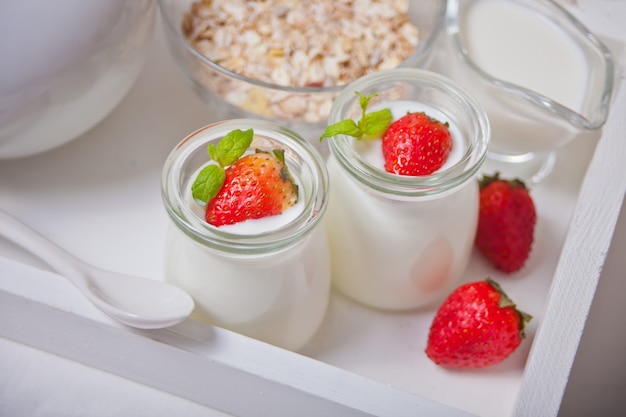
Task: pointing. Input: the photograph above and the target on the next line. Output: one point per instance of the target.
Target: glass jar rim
(411, 186)
(177, 206)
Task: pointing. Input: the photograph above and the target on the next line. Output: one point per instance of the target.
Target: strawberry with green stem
(414, 145)
(241, 187)
(506, 222)
(476, 326)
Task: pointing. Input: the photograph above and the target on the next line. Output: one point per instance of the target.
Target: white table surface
(36, 383)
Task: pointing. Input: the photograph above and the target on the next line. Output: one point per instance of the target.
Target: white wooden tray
(99, 198)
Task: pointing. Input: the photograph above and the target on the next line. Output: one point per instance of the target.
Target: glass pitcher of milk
(542, 77)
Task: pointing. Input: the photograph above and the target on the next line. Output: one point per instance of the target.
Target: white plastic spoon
(137, 302)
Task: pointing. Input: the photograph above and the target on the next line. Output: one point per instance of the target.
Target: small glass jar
(402, 242)
(274, 285)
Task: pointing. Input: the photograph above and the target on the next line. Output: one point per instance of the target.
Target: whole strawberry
(243, 187)
(476, 326)
(416, 144)
(506, 222)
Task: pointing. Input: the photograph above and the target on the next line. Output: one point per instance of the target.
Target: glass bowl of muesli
(286, 60)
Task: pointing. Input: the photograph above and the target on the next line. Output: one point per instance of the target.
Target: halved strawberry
(246, 187)
(416, 144)
(256, 185)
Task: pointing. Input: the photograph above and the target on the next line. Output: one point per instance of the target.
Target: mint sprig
(370, 124)
(208, 183)
(211, 178)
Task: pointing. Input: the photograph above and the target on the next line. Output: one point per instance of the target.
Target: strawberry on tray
(506, 222)
(478, 325)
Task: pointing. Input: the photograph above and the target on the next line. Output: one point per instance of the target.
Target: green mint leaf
(213, 152)
(208, 183)
(231, 146)
(376, 123)
(364, 101)
(344, 127)
(371, 124)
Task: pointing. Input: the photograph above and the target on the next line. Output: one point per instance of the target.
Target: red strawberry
(506, 222)
(476, 326)
(256, 185)
(237, 188)
(416, 144)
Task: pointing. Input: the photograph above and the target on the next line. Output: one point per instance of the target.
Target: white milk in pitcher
(512, 42)
(515, 44)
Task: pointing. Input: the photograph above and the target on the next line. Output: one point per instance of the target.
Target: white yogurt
(279, 297)
(395, 252)
(266, 278)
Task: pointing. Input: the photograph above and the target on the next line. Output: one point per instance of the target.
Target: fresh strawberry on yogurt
(415, 144)
(240, 187)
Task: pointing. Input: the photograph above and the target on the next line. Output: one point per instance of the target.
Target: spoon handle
(58, 258)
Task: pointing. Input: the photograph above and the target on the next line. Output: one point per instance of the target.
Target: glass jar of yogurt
(402, 242)
(268, 278)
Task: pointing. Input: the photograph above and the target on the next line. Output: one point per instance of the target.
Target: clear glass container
(271, 285)
(402, 242)
(542, 76)
(303, 109)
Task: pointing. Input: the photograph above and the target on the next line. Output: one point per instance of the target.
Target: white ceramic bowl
(65, 66)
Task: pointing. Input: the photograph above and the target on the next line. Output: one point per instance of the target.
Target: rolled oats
(296, 43)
